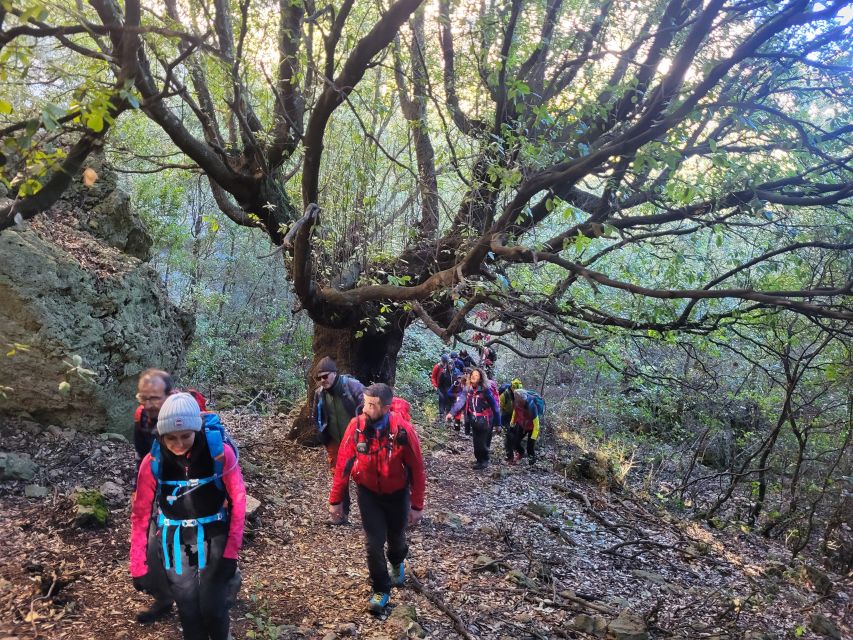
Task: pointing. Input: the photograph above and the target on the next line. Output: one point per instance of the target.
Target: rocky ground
(512, 552)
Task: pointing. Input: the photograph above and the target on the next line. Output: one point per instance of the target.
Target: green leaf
(5, 107)
(95, 121)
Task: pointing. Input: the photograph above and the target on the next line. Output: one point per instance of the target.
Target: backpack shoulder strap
(156, 466)
(346, 394)
(398, 434)
(214, 433)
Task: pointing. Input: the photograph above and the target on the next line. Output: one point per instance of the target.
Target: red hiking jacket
(436, 371)
(389, 464)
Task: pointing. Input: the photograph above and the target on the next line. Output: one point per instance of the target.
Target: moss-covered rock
(65, 292)
(90, 509)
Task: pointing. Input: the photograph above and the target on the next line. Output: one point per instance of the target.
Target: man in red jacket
(382, 453)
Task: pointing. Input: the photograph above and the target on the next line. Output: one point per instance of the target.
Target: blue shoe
(398, 574)
(378, 602)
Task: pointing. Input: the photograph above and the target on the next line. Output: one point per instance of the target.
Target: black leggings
(384, 517)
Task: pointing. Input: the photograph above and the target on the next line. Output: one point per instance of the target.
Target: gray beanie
(180, 412)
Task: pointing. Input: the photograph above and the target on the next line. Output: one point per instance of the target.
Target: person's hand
(226, 569)
(448, 417)
(415, 517)
(139, 583)
(336, 512)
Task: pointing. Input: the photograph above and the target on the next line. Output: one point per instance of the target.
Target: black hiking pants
(514, 438)
(203, 599)
(482, 429)
(384, 517)
(445, 402)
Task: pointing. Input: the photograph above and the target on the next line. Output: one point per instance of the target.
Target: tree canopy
(653, 166)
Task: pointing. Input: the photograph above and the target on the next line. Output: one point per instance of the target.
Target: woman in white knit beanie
(193, 475)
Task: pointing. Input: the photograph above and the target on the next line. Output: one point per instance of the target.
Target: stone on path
(824, 626)
(17, 466)
(627, 626)
(404, 620)
(90, 509)
(35, 491)
(596, 625)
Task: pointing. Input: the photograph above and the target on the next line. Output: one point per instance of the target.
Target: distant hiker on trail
(337, 400)
(460, 383)
(467, 360)
(482, 411)
(193, 478)
(442, 380)
(382, 454)
(527, 418)
(488, 357)
(458, 364)
(153, 388)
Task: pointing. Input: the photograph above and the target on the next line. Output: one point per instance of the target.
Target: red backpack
(402, 408)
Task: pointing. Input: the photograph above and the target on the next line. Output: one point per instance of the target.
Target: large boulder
(65, 292)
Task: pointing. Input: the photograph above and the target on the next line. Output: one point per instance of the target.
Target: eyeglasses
(144, 399)
(322, 376)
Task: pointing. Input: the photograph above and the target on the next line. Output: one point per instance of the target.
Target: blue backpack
(538, 400)
(217, 438)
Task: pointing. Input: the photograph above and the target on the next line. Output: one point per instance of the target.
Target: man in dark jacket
(382, 454)
(154, 386)
(337, 400)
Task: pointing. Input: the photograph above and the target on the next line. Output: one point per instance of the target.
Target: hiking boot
(531, 460)
(398, 574)
(479, 466)
(378, 602)
(159, 610)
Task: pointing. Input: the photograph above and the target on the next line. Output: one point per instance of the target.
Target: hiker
(467, 360)
(337, 400)
(527, 417)
(458, 364)
(482, 413)
(154, 386)
(382, 453)
(442, 379)
(460, 383)
(507, 402)
(193, 478)
(488, 357)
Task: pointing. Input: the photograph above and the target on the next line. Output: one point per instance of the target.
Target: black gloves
(226, 569)
(139, 583)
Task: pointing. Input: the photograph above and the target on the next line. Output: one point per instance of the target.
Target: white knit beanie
(180, 412)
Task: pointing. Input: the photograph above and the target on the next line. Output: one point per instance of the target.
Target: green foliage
(261, 618)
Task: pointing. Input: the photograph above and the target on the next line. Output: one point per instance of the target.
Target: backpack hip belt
(164, 523)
